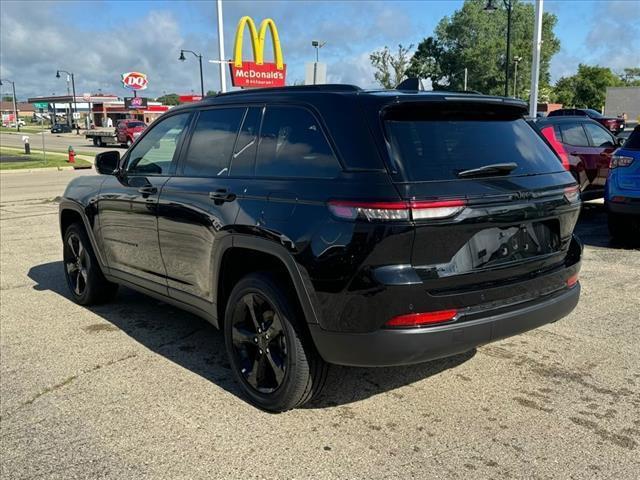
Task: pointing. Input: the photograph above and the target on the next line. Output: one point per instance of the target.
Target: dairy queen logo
(134, 80)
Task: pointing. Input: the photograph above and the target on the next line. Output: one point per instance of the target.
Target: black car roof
(318, 93)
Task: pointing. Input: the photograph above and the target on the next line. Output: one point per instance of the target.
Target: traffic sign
(41, 105)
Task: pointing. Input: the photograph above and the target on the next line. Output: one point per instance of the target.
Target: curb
(36, 170)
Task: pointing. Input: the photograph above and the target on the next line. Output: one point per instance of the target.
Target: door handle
(148, 190)
(221, 195)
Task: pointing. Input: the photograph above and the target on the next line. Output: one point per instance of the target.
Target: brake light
(620, 161)
(550, 134)
(572, 280)
(421, 319)
(416, 210)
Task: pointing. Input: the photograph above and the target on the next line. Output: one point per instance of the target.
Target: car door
(128, 203)
(603, 144)
(198, 205)
(580, 152)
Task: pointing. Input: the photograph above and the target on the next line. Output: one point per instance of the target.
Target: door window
(154, 153)
(244, 154)
(212, 141)
(292, 144)
(573, 134)
(599, 136)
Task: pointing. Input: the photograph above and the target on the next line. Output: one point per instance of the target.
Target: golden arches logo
(257, 41)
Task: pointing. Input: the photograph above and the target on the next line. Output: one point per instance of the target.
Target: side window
(154, 153)
(211, 143)
(573, 134)
(599, 136)
(292, 145)
(244, 153)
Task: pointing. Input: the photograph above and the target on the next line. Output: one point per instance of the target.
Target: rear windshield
(633, 142)
(135, 124)
(435, 149)
(594, 113)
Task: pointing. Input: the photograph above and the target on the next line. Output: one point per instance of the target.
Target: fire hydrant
(72, 155)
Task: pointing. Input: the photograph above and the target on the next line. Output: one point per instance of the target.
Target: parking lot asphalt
(138, 389)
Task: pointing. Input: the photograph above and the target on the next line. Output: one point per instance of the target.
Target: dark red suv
(585, 149)
(613, 124)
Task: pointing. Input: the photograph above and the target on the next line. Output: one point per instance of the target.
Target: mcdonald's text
(250, 74)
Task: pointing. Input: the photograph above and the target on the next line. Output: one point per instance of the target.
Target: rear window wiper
(492, 169)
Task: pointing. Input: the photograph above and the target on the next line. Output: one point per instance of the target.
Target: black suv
(328, 224)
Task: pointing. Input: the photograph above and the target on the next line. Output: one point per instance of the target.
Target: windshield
(427, 150)
(593, 113)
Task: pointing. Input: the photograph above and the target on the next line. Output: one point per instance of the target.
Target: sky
(100, 40)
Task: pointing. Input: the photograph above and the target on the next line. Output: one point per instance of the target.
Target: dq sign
(134, 80)
(257, 73)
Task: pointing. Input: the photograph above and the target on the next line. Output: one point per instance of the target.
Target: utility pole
(535, 63)
(466, 76)
(15, 104)
(223, 74)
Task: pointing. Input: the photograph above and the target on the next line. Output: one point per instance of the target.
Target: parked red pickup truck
(125, 133)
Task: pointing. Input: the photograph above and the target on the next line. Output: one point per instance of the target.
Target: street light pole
(535, 62)
(15, 104)
(516, 60)
(199, 56)
(73, 87)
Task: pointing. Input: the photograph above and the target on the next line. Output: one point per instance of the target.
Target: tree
(169, 99)
(7, 98)
(211, 93)
(390, 69)
(630, 77)
(475, 39)
(587, 88)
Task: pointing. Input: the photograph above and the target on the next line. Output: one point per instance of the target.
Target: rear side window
(435, 149)
(573, 134)
(633, 142)
(599, 136)
(211, 143)
(292, 144)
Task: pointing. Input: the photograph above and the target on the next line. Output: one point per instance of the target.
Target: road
(138, 389)
(54, 142)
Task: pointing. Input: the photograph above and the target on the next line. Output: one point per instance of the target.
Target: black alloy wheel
(271, 354)
(76, 262)
(259, 343)
(86, 282)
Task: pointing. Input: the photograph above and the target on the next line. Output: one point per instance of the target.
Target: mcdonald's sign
(257, 73)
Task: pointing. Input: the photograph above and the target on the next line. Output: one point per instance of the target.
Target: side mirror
(107, 162)
(620, 141)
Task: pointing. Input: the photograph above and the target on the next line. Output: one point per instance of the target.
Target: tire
(85, 280)
(95, 142)
(100, 142)
(274, 362)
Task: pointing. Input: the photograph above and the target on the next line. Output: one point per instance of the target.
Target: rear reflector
(416, 210)
(421, 319)
(572, 280)
(572, 194)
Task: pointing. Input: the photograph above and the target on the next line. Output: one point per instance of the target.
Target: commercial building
(100, 108)
(621, 100)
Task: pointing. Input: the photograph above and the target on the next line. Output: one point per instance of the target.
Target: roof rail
(335, 87)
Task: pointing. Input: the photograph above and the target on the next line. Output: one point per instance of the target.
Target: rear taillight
(550, 135)
(572, 280)
(620, 161)
(413, 210)
(572, 194)
(421, 319)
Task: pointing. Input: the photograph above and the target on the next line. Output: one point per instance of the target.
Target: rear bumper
(388, 347)
(630, 208)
